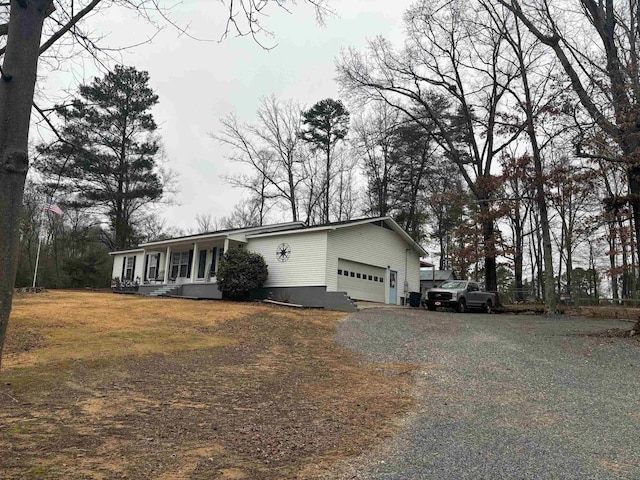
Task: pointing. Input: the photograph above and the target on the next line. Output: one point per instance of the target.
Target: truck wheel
(488, 308)
(462, 306)
(431, 308)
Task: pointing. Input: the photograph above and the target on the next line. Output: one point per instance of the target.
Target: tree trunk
(612, 259)
(534, 255)
(327, 183)
(292, 193)
(625, 259)
(569, 262)
(632, 276)
(490, 265)
(518, 262)
(633, 175)
(17, 85)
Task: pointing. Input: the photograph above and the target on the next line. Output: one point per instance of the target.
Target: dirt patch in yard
(631, 315)
(608, 312)
(109, 386)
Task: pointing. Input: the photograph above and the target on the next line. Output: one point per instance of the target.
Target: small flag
(53, 208)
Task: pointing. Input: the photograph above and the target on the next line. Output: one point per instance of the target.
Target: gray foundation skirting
(201, 290)
(311, 297)
(314, 297)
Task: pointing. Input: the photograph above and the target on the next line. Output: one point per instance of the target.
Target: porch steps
(164, 290)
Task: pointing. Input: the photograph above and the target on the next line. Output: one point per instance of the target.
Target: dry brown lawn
(103, 386)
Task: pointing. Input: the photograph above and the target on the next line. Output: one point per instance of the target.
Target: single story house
(370, 259)
(430, 278)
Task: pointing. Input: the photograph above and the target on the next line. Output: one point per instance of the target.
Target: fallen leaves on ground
(97, 385)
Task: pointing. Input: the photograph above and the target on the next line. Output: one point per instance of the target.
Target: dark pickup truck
(461, 295)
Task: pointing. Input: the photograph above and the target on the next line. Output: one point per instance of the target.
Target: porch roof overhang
(174, 242)
(133, 250)
(236, 235)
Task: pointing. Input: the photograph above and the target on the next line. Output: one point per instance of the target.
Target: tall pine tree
(325, 124)
(105, 157)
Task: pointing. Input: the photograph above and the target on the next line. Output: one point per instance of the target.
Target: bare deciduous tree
(448, 78)
(597, 47)
(373, 140)
(30, 28)
(270, 148)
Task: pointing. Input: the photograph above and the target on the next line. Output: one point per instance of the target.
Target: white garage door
(361, 281)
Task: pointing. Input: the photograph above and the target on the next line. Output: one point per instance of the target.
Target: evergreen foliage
(240, 272)
(106, 155)
(324, 125)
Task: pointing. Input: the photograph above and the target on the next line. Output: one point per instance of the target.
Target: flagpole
(49, 207)
(35, 272)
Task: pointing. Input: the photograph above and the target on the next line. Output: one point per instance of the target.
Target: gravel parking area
(503, 397)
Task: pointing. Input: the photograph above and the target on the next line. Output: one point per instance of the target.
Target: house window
(339, 271)
(345, 273)
(130, 263)
(358, 275)
(202, 263)
(179, 264)
(381, 280)
(153, 267)
(352, 274)
(375, 279)
(370, 277)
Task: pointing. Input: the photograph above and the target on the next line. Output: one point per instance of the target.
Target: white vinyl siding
(122, 259)
(378, 247)
(306, 263)
(360, 281)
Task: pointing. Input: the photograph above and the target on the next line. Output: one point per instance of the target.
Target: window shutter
(124, 265)
(146, 265)
(190, 263)
(133, 268)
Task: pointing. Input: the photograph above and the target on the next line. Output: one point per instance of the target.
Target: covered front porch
(184, 268)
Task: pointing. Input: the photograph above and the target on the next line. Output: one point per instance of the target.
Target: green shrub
(241, 272)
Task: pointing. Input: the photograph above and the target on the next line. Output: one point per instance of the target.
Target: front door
(393, 286)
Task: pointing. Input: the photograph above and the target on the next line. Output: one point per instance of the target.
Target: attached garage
(361, 281)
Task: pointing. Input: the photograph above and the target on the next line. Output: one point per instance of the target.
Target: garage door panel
(361, 281)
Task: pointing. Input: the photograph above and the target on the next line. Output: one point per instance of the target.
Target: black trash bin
(414, 299)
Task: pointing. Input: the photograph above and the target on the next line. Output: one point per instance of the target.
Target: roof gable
(384, 222)
(288, 229)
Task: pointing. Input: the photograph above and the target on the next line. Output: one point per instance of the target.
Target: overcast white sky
(201, 82)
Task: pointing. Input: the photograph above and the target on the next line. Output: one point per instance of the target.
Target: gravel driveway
(503, 397)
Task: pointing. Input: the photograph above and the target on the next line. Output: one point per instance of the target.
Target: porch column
(226, 245)
(194, 262)
(167, 265)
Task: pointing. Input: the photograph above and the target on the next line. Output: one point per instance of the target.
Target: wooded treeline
(505, 144)
(103, 169)
(494, 133)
